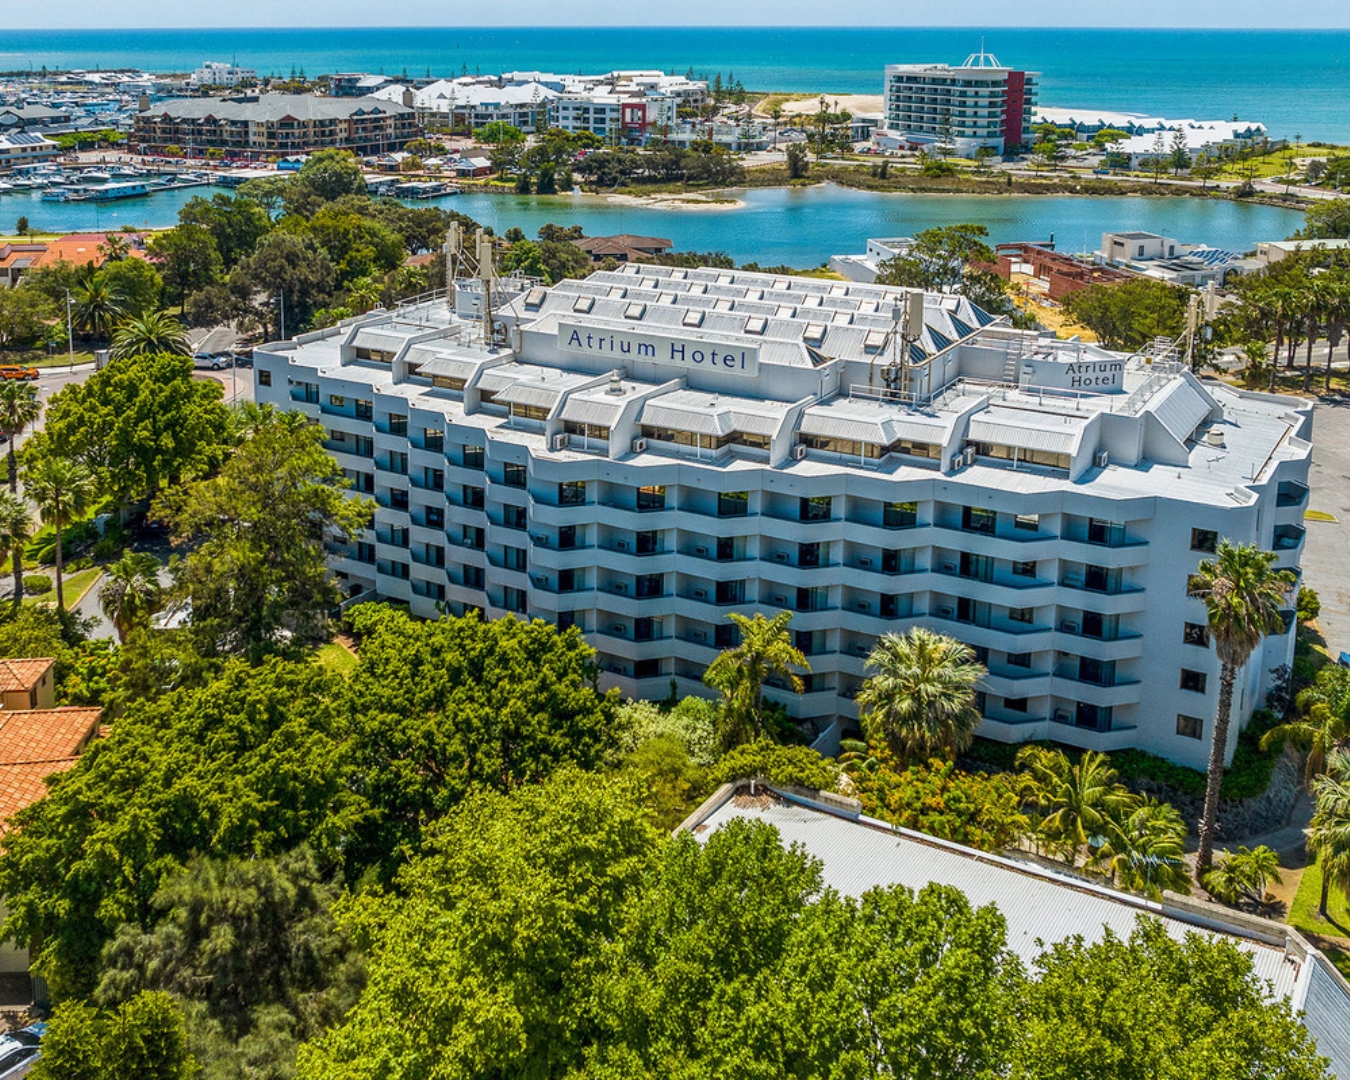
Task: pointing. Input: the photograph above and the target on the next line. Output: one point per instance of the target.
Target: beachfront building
(979, 104)
(275, 125)
(626, 118)
(744, 138)
(1042, 904)
(25, 148)
(1173, 261)
(356, 84)
(215, 73)
(644, 451)
(469, 104)
(688, 92)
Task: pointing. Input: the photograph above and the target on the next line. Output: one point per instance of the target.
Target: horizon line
(694, 26)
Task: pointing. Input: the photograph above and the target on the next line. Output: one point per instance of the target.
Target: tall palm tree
(1322, 732)
(99, 305)
(740, 672)
(153, 332)
(1329, 830)
(16, 529)
(1243, 594)
(131, 592)
(1080, 802)
(921, 701)
(62, 489)
(19, 407)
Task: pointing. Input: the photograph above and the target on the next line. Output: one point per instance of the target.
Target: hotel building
(641, 452)
(978, 104)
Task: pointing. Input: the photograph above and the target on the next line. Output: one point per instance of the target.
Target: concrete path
(1326, 554)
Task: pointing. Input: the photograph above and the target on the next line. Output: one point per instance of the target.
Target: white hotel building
(643, 451)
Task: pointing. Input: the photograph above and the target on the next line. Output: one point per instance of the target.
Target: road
(1325, 566)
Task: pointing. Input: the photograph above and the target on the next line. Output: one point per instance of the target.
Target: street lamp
(70, 332)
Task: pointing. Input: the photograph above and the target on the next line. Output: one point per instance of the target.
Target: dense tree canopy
(1130, 314)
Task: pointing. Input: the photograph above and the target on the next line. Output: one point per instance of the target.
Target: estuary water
(798, 227)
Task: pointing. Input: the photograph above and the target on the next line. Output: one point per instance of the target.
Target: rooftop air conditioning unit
(541, 539)
(968, 455)
(559, 442)
(780, 556)
(798, 452)
(1101, 459)
(862, 648)
(699, 635)
(1062, 716)
(956, 462)
(639, 445)
(946, 611)
(1069, 626)
(701, 551)
(541, 580)
(617, 627)
(780, 599)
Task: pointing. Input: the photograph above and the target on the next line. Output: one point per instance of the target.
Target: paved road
(1326, 554)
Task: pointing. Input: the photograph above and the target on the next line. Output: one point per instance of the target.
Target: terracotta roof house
(625, 247)
(27, 684)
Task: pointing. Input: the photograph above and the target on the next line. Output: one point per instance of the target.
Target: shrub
(37, 584)
(1141, 765)
(1309, 604)
(798, 765)
(1249, 774)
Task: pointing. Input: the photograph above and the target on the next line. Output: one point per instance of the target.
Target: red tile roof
(35, 743)
(19, 675)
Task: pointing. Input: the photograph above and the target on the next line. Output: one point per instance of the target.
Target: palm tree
(1321, 732)
(1243, 594)
(1244, 873)
(740, 672)
(16, 529)
(153, 332)
(114, 247)
(1329, 830)
(62, 489)
(1081, 802)
(131, 592)
(19, 407)
(1146, 848)
(921, 701)
(98, 305)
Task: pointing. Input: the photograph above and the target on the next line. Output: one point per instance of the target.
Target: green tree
(1329, 830)
(139, 424)
(63, 490)
(257, 564)
(799, 765)
(1145, 848)
(19, 407)
(137, 283)
(24, 315)
(188, 258)
(1243, 874)
(798, 161)
(131, 592)
(954, 258)
(1243, 595)
(16, 529)
(324, 177)
(236, 222)
(765, 649)
(1326, 219)
(285, 268)
(152, 333)
(1078, 803)
(146, 1038)
(356, 245)
(1321, 732)
(921, 700)
(98, 305)
(1130, 314)
(72, 1046)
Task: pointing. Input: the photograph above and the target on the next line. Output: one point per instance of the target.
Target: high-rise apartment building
(979, 104)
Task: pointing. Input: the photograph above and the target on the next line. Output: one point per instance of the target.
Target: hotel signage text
(1095, 376)
(663, 349)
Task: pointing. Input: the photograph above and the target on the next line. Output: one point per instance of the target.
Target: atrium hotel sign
(1095, 376)
(665, 350)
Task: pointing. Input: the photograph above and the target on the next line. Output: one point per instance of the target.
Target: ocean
(1296, 82)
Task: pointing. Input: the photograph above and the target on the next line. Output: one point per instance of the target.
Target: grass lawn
(1334, 937)
(74, 585)
(39, 358)
(336, 658)
(1318, 515)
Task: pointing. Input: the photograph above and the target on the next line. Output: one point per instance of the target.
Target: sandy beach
(853, 103)
(677, 201)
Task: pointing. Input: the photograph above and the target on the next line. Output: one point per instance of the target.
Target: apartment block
(642, 452)
(979, 104)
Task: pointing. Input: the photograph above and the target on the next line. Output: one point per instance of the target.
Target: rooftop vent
(1214, 437)
(615, 383)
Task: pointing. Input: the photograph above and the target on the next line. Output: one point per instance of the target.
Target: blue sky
(1213, 14)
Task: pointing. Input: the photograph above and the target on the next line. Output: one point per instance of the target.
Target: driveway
(1326, 553)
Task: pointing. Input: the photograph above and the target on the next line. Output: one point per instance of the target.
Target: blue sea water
(1296, 82)
(799, 227)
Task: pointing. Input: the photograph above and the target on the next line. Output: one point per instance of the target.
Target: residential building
(27, 684)
(1041, 906)
(214, 73)
(1054, 274)
(26, 148)
(625, 247)
(1272, 251)
(275, 125)
(1177, 263)
(356, 84)
(23, 116)
(469, 103)
(618, 117)
(979, 104)
(642, 452)
(865, 267)
(1213, 138)
(1085, 123)
(744, 138)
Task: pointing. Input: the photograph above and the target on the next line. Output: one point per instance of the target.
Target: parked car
(20, 1050)
(17, 371)
(213, 361)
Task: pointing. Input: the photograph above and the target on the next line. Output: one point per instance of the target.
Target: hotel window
(473, 537)
(730, 592)
(515, 558)
(471, 496)
(433, 479)
(514, 517)
(726, 636)
(513, 599)
(1024, 569)
(365, 551)
(445, 382)
(1029, 522)
(1206, 540)
(1196, 634)
(1021, 614)
(529, 412)
(1195, 681)
(398, 424)
(398, 462)
(572, 493)
(473, 577)
(586, 431)
(651, 497)
(380, 356)
(472, 457)
(264, 377)
(513, 475)
(845, 447)
(365, 410)
(435, 517)
(433, 439)
(814, 508)
(567, 580)
(567, 537)
(900, 515)
(978, 520)
(649, 585)
(337, 401)
(1015, 704)
(1190, 727)
(733, 503)
(1019, 659)
(398, 499)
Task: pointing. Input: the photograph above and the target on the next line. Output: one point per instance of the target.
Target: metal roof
(714, 414)
(1002, 429)
(1180, 408)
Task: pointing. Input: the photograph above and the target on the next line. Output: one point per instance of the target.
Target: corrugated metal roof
(1180, 408)
(871, 422)
(583, 410)
(374, 339)
(524, 393)
(713, 414)
(449, 368)
(1061, 438)
(1326, 1009)
(856, 857)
